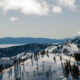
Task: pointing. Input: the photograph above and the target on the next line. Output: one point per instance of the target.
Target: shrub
(77, 56)
(1, 68)
(75, 71)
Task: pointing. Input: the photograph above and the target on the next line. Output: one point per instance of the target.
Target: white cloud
(78, 32)
(57, 9)
(67, 3)
(13, 19)
(27, 7)
(37, 7)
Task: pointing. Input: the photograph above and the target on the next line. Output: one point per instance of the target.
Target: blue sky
(39, 18)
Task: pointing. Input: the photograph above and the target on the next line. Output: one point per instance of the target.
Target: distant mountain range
(28, 40)
(32, 45)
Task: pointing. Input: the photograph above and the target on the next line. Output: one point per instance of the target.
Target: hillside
(17, 49)
(46, 64)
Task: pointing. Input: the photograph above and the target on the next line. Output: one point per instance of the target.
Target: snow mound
(68, 48)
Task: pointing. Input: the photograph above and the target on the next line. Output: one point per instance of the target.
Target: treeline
(13, 51)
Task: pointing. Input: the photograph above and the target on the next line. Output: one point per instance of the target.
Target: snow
(6, 61)
(10, 60)
(42, 67)
(45, 68)
(71, 47)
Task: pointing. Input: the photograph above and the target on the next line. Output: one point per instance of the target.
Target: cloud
(78, 32)
(38, 7)
(26, 7)
(57, 9)
(13, 19)
(67, 3)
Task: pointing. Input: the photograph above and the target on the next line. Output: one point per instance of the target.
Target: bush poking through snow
(75, 71)
(71, 69)
(43, 53)
(77, 56)
(1, 68)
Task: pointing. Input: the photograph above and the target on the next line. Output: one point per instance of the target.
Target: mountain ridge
(27, 40)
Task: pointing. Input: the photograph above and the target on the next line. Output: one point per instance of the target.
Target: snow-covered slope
(10, 60)
(76, 40)
(45, 65)
(67, 48)
(41, 68)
